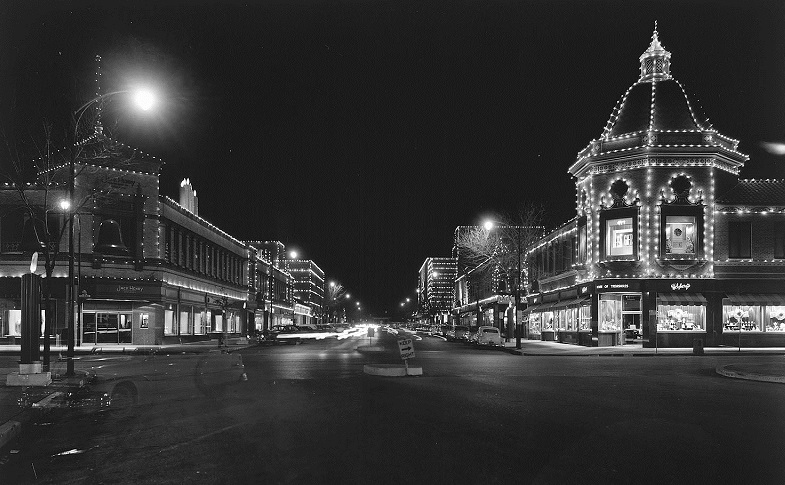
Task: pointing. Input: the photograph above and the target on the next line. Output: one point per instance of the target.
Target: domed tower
(646, 186)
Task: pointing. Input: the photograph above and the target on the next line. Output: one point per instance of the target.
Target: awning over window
(530, 309)
(756, 299)
(568, 303)
(681, 299)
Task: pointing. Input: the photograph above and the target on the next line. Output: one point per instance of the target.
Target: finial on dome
(655, 61)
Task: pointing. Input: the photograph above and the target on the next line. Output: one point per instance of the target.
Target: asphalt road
(308, 414)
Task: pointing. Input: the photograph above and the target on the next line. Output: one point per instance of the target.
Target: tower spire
(655, 61)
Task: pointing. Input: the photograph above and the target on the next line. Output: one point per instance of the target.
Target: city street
(308, 414)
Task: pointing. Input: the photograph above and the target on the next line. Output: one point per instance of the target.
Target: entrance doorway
(632, 332)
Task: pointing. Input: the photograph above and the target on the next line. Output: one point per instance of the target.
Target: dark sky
(362, 132)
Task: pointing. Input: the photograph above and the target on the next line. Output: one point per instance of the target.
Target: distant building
(435, 289)
(308, 287)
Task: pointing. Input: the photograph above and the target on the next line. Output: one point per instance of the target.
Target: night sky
(362, 132)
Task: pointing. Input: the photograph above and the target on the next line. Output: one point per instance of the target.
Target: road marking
(198, 438)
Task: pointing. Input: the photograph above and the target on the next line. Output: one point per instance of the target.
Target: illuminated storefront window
(752, 318)
(680, 235)
(610, 313)
(680, 317)
(620, 237)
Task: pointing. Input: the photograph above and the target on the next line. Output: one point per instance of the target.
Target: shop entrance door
(632, 331)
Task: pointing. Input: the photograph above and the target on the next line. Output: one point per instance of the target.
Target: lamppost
(144, 100)
(519, 253)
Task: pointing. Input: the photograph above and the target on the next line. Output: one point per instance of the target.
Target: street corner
(762, 372)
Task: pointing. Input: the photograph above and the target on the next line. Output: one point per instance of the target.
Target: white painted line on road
(198, 438)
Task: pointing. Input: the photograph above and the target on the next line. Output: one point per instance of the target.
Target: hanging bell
(32, 233)
(110, 241)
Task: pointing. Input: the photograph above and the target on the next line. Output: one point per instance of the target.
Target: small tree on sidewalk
(495, 254)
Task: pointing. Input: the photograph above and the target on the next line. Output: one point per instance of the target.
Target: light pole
(144, 100)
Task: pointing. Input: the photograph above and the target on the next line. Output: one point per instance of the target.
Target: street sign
(370, 332)
(406, 346)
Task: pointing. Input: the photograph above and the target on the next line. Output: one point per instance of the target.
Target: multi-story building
(149, 269)
(435, 289)
(273, 286)
(308, 288)
(668, 246)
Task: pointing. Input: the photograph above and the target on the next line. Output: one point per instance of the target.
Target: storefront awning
(757, 299)
(681, 299)
(530, 309)
(568, 303)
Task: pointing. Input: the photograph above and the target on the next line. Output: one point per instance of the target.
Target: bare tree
(39, 176)
(493, 256)
(335, 293)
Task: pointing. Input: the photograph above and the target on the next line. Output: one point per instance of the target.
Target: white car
(488, 336)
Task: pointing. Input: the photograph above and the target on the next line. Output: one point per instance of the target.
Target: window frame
(683, 211)
(616, 214)
(738, 234)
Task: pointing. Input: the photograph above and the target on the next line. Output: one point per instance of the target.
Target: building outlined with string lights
(668, 246)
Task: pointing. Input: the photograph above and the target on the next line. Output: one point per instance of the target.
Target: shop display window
(610, 313)
(775, 319)
(569, 319)
(752, 318)
(584, 318)
(170, 324)
(13, 319)
(684, 318)
(186, 320)
(561, 319)
(218, 323)
(534, 323)
(547, 321)
(620, 237)
(680, 235)
(199, 324)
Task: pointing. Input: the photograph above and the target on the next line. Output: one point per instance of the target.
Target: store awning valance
(757, 299)
(569, 303)
(681, 299)
(530, 309)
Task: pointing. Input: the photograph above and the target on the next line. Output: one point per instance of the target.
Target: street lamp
(145, 100)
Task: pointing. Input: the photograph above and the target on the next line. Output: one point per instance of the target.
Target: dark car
(458, 333)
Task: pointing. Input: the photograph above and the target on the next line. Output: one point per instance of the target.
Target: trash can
(697, 346)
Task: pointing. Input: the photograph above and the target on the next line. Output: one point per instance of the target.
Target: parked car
(489, 336)
(458, 333)
(324, 327)
(307, 327)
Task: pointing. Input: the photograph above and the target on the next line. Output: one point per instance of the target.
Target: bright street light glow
(65, 204)
(293, 254)
(488, 225)
(408, 299)
(144, 99)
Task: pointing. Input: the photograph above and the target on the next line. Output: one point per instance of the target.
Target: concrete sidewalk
(543, 348)
(231, 344)
(754, 371)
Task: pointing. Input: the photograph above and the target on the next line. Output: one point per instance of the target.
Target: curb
(391, 370)
(749, 376)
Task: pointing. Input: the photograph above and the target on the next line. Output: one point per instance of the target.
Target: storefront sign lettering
(129, 289)
(614, 286)
(680, 286)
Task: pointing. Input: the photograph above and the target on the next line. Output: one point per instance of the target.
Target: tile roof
(768, 192)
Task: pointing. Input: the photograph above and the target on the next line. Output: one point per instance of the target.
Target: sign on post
(406, 346)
